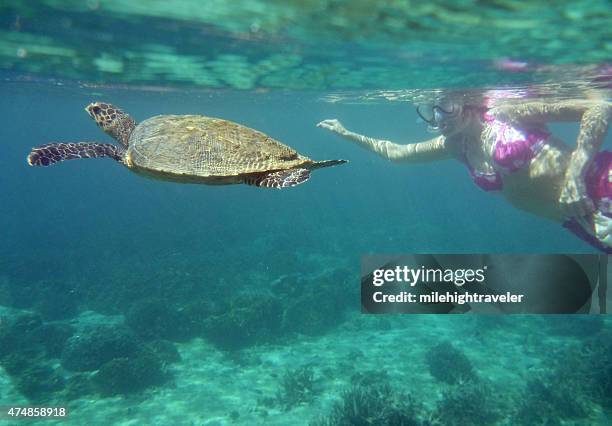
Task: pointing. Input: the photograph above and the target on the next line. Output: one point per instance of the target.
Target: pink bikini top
(514, 149)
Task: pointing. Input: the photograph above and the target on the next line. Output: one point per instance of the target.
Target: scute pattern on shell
(194, 145)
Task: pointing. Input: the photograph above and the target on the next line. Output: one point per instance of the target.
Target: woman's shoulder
(503, 113)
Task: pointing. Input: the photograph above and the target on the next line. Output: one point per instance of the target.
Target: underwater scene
(172, 283)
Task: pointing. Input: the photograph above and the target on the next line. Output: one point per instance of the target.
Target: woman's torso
(521, 160)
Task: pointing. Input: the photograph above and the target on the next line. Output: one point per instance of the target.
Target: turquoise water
(135, 301)
(312, 44)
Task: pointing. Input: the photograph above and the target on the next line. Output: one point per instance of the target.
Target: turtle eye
(96, 110)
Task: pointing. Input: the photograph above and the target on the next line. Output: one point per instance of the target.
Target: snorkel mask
(437, 118)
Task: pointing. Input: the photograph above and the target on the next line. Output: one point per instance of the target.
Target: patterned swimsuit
(515, 148)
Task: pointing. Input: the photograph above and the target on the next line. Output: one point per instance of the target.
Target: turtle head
(113, 121)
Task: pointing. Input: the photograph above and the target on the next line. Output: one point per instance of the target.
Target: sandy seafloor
(211, 388)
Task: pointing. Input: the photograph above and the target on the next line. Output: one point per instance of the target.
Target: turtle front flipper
(279, 179)
(114, 122)
(52, 153)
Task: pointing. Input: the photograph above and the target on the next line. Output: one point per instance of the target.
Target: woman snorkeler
(508, 148)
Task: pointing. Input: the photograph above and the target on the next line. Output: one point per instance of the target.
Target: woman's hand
(334, 126)
(574, 198)
(593, 128)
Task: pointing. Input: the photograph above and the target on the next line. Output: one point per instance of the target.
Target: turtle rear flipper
(52, 153)
(279, 179)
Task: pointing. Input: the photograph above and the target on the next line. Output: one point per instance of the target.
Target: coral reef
(547, 401)
(54, 337)
(78, 386)
(199, 310)
(376, 405)
(158, 319)
(315, 311)
(57, 304)
(23, 355)
(20, 335)
(588, 369)
(21, 346)
(473, 402)
(598, 354)
(166, 351)
(125, 364)
(298, 387)
(369, 378)
(579, 376)
(449, 365)
(88, 351)
(312, 304)
(251, 319)
(53, 300)
(39, 382)
(130, 375)
(579, 326)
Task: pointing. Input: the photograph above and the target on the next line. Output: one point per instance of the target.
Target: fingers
(583, 222)
(574, 199)
(580, 208)
(588, 207)
(333, 125)
(603, 227)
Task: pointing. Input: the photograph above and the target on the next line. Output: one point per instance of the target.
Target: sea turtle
(188, 148)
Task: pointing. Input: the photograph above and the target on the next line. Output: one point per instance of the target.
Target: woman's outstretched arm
(548, 112)
(420, 152)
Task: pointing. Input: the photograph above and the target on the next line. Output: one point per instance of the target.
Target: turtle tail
(52, 153)
(326, 163)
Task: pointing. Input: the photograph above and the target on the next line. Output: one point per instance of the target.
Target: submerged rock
(449, 365)
(166, 351)
(251, 319)
(199, 310)
(88, 351)
(78, 386)
(39, 382)
(20, 334)
(25, 345)
(155, 319)
(54, 337)
(130, 375)
(53, 300)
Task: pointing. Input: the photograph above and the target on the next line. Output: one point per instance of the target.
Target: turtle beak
(97, 110)
(93, 109)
